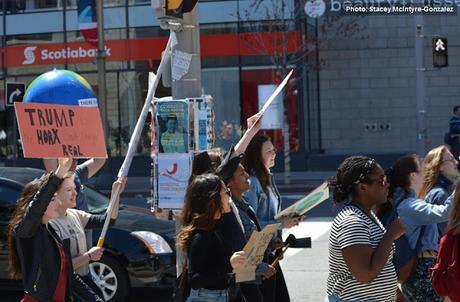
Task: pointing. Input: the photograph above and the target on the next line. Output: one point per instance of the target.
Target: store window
(224, 86)
(257, 84)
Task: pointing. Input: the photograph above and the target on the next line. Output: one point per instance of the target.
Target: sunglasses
(381, 180)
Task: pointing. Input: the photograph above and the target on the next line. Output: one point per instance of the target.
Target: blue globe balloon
(63, 87)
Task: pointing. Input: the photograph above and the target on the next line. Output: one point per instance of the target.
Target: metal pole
(102, 95)
(286, 134)
(420, 86)
(189, 41)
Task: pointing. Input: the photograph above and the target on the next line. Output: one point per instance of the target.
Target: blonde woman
(440, 172)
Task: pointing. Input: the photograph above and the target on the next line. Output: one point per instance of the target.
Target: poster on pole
(203, 123)
(173, 174)
(52, 130)
(273, 116)
(254, 250)
(173, 121)
(307, 203)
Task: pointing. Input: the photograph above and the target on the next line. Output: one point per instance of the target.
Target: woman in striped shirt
(360, 249)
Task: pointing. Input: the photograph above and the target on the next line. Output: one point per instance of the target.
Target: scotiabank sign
(141, 49)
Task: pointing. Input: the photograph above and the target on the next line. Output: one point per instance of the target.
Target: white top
(351, 227)
(72, 226)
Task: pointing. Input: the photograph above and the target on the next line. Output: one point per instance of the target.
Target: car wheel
(111, 278)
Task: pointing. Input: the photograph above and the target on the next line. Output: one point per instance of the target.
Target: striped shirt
(352, 226)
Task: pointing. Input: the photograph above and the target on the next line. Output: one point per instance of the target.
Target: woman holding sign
(36, 253)
(264, 198)
(72, 223)
(208, 238)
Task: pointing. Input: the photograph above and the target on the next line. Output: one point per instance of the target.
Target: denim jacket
(249, 227)
(438, 195)
(416, 213)
(261, 202)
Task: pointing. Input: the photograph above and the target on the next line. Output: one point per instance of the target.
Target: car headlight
(154, 242)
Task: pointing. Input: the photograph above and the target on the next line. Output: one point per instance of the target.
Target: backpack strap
(253, 217)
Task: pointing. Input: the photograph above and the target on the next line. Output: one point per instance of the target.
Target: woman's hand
(237, 259)
(396, 229)
(290, 222)
(95, 253)
(269, 272)
(64, 165)
(119, 184)
(256, 121)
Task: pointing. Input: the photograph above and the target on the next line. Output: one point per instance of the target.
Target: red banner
(148, 49)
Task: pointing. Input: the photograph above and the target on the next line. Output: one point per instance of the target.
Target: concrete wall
(369, 79)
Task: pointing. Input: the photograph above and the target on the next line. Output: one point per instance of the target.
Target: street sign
(14, 93)
(439, 50)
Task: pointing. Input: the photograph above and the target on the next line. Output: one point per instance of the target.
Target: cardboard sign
(50, 131)
(307, 203)
(254, 250)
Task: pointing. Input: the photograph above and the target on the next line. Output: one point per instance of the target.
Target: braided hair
(352, 171)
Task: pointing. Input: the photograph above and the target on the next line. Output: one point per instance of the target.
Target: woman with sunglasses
(210, 240)
(420, 218)
(360, 248)
(440, 172)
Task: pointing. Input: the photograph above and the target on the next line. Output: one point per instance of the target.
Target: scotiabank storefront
(238, 63)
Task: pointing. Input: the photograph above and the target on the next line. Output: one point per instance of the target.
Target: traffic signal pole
(188, 39)
(420, 87)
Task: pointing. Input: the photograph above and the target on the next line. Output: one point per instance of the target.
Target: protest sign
(51, 130)
(254, 250)
(173, 174)
(273, 116)
(307, 203)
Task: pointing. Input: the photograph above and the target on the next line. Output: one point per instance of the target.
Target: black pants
(274, 289)
(251, 292)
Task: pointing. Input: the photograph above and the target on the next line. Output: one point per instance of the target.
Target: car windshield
(97, 202)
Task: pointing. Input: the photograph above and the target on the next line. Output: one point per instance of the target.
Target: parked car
(138, 249)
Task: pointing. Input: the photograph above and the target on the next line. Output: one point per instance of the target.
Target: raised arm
(254, 124)
(37, 207)
(421, 212)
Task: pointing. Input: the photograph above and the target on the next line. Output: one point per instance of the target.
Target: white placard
(273, 116)
(173, 174)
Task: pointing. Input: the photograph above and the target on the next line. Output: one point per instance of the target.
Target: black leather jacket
(39, 253)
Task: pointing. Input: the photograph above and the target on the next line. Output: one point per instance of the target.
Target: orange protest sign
(49, 130)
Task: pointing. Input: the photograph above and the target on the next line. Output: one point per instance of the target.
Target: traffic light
(439, 49)
(173, 8)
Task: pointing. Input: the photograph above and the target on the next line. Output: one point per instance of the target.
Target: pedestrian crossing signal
(439, 49)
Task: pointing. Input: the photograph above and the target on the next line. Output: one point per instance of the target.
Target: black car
(138, 248)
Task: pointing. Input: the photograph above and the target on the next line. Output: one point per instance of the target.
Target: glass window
(224, 86)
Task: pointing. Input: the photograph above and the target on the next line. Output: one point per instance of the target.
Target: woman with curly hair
(440, 172)
(360, 248)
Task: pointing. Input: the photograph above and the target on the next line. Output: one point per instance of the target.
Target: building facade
(244, 48)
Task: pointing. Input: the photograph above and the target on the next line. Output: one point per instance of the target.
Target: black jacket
(39, 253)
